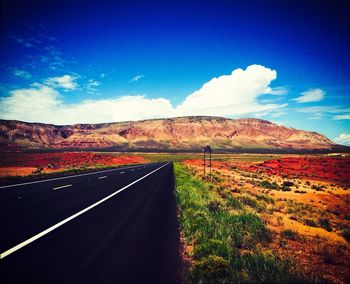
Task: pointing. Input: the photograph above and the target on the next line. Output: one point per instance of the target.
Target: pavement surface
(112, 226)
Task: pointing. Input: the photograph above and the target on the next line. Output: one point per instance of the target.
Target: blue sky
(99, 61)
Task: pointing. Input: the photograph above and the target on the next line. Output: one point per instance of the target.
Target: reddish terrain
(333, 169)
(321, 168)
(48, 162)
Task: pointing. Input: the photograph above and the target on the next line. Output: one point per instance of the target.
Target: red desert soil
(24, 163)
(330, 169)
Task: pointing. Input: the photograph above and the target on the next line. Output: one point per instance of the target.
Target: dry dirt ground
(23, 164)
(309, 212)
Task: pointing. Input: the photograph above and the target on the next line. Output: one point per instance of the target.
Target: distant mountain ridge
(181, 133)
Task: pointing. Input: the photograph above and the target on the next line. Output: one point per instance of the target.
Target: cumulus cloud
(312, 95)
(66, 82)
(44, 104)
(137, 78)
(230, 95)
(22, 74)
(343, 138)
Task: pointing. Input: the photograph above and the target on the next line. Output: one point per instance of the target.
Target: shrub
(290, 234)
(269, 185)
(324, 223)
(285, 188)
(310, 222)
(211, 269)
(265, 198)
(287, 183)
(252, 202)
(346, 234)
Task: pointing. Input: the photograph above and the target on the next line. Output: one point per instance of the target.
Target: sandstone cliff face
(183, 133)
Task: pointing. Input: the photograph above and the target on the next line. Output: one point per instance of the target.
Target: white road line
(102, 177)
(63, 186)
(73, 176)
(121, 173)
(48, 230)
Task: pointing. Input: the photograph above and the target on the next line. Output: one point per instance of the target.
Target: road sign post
(207, 149)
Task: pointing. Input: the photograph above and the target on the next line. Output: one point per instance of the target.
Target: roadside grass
(178, 157)
(229, 239)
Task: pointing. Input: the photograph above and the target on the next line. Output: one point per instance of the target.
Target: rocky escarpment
(183, 133)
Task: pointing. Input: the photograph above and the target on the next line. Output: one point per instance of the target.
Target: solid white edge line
(48, 230)
(73, 176)
(62, 186)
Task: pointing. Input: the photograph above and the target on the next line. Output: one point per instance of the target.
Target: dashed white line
(121, 173)
(66, 177)
(102, 177)
(48, 230)
(63, 186)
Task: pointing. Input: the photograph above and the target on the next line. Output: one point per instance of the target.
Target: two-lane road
(111, 226)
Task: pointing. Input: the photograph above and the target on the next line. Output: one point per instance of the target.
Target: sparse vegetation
(230, 243)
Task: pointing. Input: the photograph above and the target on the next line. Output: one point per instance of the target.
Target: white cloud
(92, 85)
(277, 91)
(229, 95)
(343, 138)
(43, 104)
(312, 95)
(66, 82)
(232, 95)
(342, 116)
(137, 78)
(22, 74)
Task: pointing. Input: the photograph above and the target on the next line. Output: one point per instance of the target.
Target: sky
(66, 62)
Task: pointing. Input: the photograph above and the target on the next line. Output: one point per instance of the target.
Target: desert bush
(269, 185)
(252, 202)
(310, 222)
(286, 188)
(265, 198)
(346, 234)
(290, 234)
(325, 224)
(287, 183)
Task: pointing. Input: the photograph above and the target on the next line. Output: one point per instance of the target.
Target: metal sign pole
(204, 164)
(210, 163)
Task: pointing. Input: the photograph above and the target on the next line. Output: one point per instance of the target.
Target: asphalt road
(112, 226)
